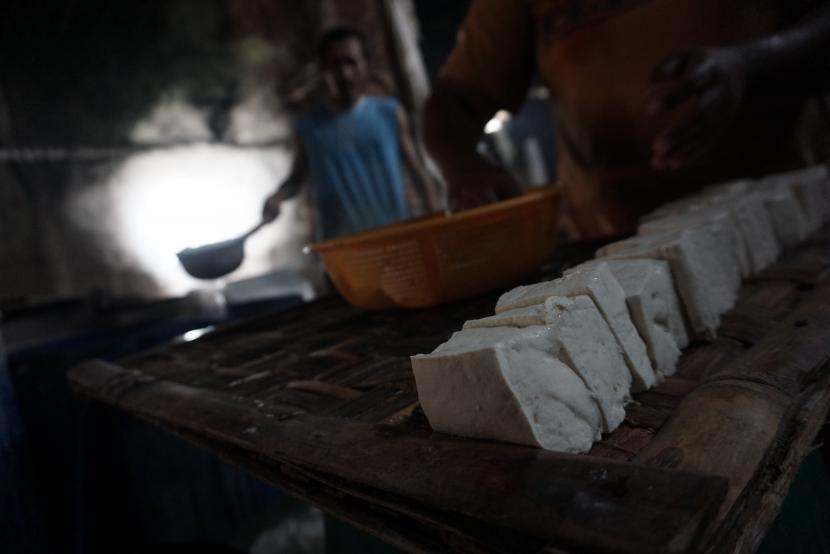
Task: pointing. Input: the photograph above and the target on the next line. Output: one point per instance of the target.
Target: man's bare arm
(290, 187)
(424, 187)
(454, 117)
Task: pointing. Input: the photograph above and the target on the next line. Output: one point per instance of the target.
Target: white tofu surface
(584, 342)
(755, 225)
(752, 226)
(819, 175)
(811, 188)
(695, 256)
(654, 307)
(599, 283)
(527, 316)
(675, 207)
(720, 221)
(789, 220)
(507, 384)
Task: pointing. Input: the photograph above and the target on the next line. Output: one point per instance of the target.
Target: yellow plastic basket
(435, 259)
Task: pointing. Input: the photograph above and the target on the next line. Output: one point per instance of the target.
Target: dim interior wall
(74, 75)
(402, 22)
(103, 74)
(23, 271)
(45, 253)
(87, 77)
(293, 28)
(23, 268)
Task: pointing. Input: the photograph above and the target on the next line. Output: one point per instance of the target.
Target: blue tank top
(355, 166)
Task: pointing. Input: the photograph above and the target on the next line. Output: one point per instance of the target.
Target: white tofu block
(584, 342)
(720, 221)
(654, 308)
(813, 172)
(810, 197)
(824, 183)
(813, 191)
(695, 256)
(818, 174)
(754, 224)
(751, 221)
(694, 202)
(670, 208)
(507, 384)
(600, 284)
(789, 220)
(528, 316)
(739, 186)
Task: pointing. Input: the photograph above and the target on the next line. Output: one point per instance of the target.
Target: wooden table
(320, 401)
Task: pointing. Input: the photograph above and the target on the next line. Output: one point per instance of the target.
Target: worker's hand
(271, 208)
(701, 93)
(478, 184)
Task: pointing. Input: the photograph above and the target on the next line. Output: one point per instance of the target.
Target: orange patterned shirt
(596, 58)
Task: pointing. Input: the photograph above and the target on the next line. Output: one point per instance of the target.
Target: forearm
(453, 124)
(293, 184)
(795, 61)
(420, 183)
(454, 120)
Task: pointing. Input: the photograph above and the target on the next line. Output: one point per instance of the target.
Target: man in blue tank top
(351, 148)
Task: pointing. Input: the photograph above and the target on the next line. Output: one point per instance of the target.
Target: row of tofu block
(556, 364)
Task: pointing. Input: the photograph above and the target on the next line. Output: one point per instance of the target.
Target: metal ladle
(216, 260)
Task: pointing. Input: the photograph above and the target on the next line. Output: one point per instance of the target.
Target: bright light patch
(195, 333)
(493, 126)
(496, 124)
(168, 200)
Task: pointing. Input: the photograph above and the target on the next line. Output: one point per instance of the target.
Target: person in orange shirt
(652, 99)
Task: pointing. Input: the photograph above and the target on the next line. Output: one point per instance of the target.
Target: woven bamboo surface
(320, 400)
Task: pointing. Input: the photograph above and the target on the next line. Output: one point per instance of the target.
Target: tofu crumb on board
(507, 384)
(599, 283)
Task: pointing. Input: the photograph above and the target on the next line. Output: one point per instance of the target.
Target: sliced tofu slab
(810, 197)
(751, 224)
(813, 192)
(654, 307)
(753, 221)
(818, 175)
(814, 172)
(821, 174)
(527, 316)
(695, 256)
(584, 342)
(599, 283)
(507, 384)
(720, 221)
(789, 220)
(675, 207)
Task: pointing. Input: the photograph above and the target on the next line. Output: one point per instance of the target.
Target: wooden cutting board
(320, 400)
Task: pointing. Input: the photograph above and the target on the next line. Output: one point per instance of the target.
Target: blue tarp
(18, 522)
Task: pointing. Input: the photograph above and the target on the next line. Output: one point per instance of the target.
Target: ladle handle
(259, 226)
